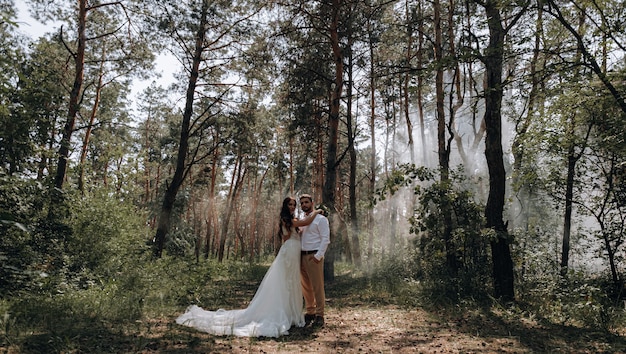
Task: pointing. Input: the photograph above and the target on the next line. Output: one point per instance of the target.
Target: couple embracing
(296, 273)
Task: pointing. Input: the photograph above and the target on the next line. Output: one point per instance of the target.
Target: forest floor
(360, 321)
(387, 329)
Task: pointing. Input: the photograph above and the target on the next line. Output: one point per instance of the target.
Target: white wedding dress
(276, 306)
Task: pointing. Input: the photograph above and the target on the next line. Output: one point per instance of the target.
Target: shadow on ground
(362, 317)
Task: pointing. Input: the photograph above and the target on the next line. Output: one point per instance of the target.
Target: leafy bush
(578, 299)
(451, 257)
(21, 209)
(105, 232)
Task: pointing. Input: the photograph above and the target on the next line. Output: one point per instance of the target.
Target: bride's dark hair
(285, 213)
(286, 218)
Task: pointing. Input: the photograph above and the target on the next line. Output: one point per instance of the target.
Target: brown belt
(307, 252)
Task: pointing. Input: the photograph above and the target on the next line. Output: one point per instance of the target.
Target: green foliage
(79, 318)
(82, 271)
(180, 240)
(39, 100)
(402, 176)
(579, 300)
(21, 205)
(41, 253)
(14, 142)
(394, 280)
(436, 243)
(105, 230)
(69, 315)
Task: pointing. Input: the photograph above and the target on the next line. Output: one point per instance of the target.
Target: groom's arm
(324, 230)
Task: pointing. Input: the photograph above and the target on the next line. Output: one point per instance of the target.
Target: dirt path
(362, 317)
(389, 329)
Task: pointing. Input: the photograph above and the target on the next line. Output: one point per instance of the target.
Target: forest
(471, 155)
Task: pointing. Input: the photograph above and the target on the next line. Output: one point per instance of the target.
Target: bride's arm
(283, 236)
(308, 219)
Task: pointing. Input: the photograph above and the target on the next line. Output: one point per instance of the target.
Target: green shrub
(579, 299)
(21, 211)
(450, 254)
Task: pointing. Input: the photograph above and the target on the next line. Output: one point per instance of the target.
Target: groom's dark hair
(306, 196)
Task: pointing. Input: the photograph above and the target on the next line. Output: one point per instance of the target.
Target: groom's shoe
(318, 322)
(308, 320)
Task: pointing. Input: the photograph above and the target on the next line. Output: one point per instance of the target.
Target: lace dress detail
(276, 305)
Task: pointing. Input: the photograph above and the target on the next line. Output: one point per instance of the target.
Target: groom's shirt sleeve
(324, 230)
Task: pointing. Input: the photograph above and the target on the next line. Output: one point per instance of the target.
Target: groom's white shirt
(316, 236)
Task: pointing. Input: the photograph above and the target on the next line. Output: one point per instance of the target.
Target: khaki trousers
(312, 278)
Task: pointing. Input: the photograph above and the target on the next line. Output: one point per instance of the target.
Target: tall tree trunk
(455, 88)
(572, 159)
(500, 247)
(146, 155)
(254, 242)
(569, 198)
(240, 244)
(211, 228)
(407, 79)
(444, 163)
(92, 119)
(420, 81)
(197, 228)
(354, 221)
(373, 159)
(319, 173)
(442, 142)
(183, 146)
(79, 67)
(292, 179)
(237, 178)
(328, 194)
(227, 212)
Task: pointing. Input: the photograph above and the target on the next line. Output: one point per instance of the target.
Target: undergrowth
(119, 315)
(105, 293)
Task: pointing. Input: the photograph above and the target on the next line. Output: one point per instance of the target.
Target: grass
(135, 314)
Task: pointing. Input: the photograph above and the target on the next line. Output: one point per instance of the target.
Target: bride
(277, 304)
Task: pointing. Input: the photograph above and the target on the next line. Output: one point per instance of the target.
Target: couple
(297, 272)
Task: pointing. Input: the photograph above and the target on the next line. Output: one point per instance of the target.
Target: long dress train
(276, 306)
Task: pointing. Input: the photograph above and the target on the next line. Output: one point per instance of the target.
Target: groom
(315, 240)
